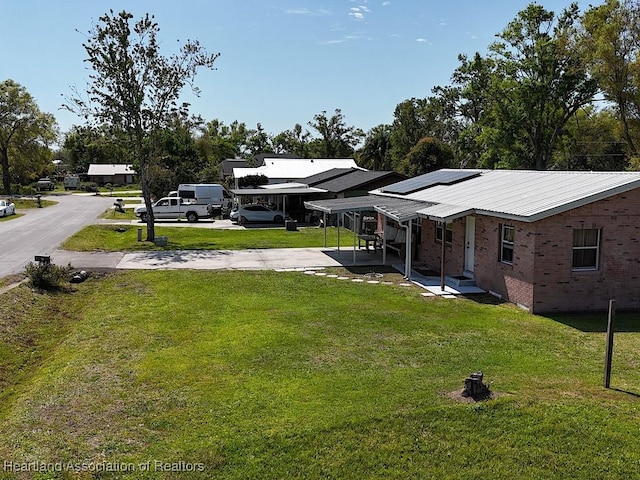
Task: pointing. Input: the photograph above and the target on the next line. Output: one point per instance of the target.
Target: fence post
(609, 351)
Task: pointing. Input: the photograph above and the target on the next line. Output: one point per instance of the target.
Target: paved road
(41, 230)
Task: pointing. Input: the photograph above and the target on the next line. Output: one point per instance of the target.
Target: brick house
(547, 241)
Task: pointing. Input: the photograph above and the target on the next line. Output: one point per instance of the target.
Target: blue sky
(282, 61)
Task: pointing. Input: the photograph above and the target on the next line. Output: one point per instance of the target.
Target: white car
(7, 208)
(256, 213)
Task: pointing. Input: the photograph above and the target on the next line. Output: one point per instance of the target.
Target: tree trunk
(6, 177)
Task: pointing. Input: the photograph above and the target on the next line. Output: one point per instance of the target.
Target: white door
(470, 243)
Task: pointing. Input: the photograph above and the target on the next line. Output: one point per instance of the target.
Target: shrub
(47, 276)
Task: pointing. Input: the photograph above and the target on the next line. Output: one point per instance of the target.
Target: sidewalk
(252, 259)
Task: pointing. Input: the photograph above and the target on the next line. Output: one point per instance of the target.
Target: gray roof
(312, 180)
(398, 208)
(523, 194)
(356, 179)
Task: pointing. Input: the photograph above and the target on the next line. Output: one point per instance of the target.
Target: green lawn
(118, 238)
(285, 375)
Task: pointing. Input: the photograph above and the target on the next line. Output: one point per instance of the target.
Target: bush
(89, 186)
(47, 276)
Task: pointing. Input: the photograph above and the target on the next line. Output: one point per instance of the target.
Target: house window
(506, 243)
(449, 232)
(586, 249)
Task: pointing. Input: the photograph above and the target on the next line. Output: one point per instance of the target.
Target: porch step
(461, 281)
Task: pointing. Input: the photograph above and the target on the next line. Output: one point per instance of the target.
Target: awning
(395, 208)
(442, 212)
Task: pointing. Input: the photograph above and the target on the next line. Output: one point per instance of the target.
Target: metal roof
(399, 209)
(356, 179)
(282, 168)
(526, 195)
(110, 169)
(276, 191)
(324, 176)
(445, 176)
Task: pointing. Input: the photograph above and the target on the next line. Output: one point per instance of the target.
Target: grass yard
(284, 375)
(119, 238)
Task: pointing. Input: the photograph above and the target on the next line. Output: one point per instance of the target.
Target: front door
(470, 243)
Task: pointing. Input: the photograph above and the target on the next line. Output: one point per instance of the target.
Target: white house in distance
(114, 173)
(283, 170)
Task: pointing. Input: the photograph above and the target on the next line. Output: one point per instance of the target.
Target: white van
(208, 193)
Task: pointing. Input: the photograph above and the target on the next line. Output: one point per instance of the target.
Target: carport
(401, 210)
(278, 192)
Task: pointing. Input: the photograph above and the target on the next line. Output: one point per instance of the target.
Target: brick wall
(541, 277)
(430, 250)
(513, 282)
(558, 287)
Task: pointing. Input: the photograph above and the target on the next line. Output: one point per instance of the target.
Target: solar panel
(439, 177)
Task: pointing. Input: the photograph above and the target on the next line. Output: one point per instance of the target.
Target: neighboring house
(282, 170)
(548, 241)
(228, 164)
(350, 182)
(115, 174)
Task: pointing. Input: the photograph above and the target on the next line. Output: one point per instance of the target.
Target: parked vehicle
(7, 208)
(256, 213)
(206, 193)
(71, 182)
(45, 184)
(174, 208)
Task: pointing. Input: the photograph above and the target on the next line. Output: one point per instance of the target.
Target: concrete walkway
(252, 259)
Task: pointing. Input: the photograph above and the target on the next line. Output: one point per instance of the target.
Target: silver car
(256, 213)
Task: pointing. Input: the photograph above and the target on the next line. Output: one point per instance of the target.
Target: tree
(294, 142)
(25, 135)
(337, 140)
(376, 152)
(409, 126)
(427, 155)
(612, 48)
(467, 101)
(135, 89)
(592, 142)
(84, 145)
(540, 83)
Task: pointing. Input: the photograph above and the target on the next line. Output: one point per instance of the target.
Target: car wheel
(192, 217)
(243, 219)
(144, 217)
(278, 219)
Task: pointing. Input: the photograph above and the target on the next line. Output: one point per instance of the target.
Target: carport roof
(277, 191)
(399, 209)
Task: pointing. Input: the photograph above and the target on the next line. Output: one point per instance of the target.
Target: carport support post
(444, 242)
(407, 254)
(609, 352)
(355, 215)
(324, 223)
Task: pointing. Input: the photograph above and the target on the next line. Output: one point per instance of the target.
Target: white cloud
(386, 4)
(357, 15)
(423, 40)
(306, 11)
